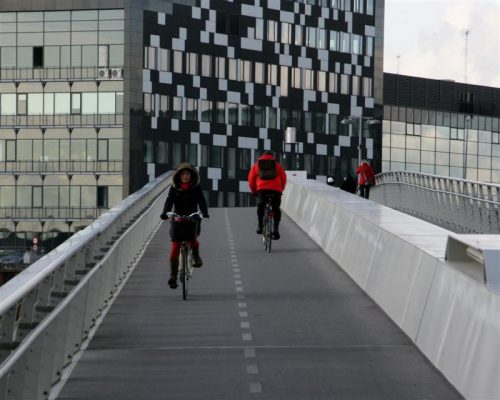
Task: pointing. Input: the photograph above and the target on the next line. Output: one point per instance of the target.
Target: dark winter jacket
(185, 202)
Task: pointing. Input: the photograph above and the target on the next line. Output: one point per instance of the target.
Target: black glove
(206, 216)
(164, 216)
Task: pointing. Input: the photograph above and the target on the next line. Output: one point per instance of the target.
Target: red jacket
(257, 184)
(365, 172)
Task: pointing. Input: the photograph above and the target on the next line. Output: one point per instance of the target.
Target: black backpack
(267, 169)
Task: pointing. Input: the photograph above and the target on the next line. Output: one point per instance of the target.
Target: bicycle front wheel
(184, 273)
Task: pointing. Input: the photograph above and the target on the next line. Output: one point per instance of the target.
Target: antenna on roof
(466, 40)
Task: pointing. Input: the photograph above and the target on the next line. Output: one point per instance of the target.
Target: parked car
(11, 260)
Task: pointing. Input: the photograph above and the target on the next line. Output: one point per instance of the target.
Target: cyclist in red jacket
(267, 177)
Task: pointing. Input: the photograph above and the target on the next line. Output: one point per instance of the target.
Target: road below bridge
(285, 325)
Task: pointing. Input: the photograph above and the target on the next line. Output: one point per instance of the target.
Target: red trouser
(176, 248)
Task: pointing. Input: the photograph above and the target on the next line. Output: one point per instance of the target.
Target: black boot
(276, 232)
(174, 268)
(259, 228)
(197, 261)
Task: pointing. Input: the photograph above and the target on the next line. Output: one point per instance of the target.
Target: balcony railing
(62, 74)
(77, 167)
(57, 213)
(67, 120)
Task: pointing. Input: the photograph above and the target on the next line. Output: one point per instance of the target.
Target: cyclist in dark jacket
(185, 197)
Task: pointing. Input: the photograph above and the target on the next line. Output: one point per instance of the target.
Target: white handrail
(456, 204)
(74, 282)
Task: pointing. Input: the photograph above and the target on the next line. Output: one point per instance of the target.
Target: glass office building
(98, 97)
(441, 127)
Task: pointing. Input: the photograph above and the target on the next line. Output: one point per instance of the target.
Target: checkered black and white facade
(223, 79)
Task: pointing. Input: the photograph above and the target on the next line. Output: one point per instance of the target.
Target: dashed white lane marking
(247, 337)
(255, 388)
(249, 353)
(252, 369)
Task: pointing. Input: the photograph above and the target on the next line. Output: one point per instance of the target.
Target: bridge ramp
(285, 325)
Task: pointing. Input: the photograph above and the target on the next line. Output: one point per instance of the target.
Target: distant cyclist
(185, 197)
(267, 177)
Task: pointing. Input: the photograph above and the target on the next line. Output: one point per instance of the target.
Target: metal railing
(64, 166)
(455, 204)
(66, 120)
(49, 310)
(62, 73)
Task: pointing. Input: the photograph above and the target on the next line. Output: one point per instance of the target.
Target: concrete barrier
(400, 262)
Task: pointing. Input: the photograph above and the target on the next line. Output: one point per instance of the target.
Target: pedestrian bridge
(356, 301)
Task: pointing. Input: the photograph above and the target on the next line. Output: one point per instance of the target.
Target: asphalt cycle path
(289, 324)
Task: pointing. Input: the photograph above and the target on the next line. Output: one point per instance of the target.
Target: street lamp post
(467, 120)
(290, 137)
(350, 121)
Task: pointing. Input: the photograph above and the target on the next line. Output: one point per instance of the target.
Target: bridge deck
(289, 324)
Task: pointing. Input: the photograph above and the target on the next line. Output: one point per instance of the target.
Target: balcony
(62, 74)
(62, 167)
(58, 213)
(66, 120)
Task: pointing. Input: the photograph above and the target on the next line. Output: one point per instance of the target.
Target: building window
(357, 44)
(192, 109)
(37, 196)
(298, 35)
(369, 46)
(192, 63)
(102, 149)
(164, 60)
(284, 81)
(148, 151)
(296, 78)
(345, 42)
(21, 104)
(369, 7)
(217, 159)
(206, 65)
(367, 87)
(178, 62)
(232, 113)
(220, 68)
(272, 31)
(246, 71)
(259, 73)
(309, 79)
(260, 116)
(102, 196)
(177, 107)
(272, 74)
(206, 111)
(246, 118)
(233, 69)
(334, 41)
(286, 33)
(76, 107)
(164, 105)
(358, 6)
(37, 57)
(355, 86)
(344, 84)
(273, 118)
(321, 81)
(311, 36)
(220, 112)
(322, 39)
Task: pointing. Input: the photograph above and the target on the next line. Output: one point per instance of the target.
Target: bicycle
(268, 224)
(184, 230)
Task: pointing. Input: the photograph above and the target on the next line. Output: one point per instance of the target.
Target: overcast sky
(429, 37)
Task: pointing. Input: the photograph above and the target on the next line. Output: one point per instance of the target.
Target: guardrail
(445, 296)
(49, 310)
(458, 205)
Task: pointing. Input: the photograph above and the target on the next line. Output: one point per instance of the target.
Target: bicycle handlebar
(173, 214)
